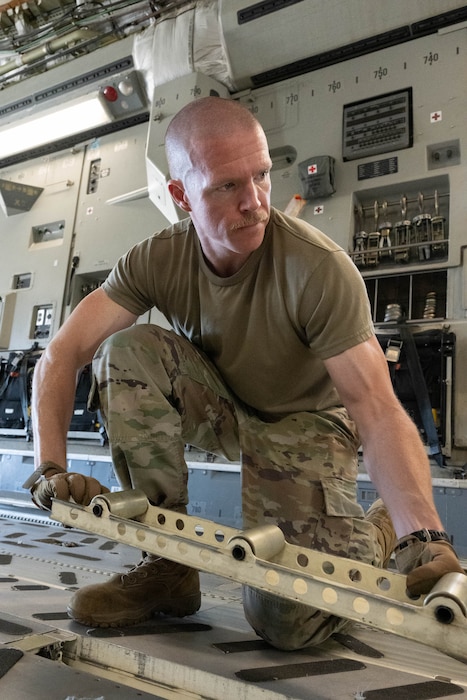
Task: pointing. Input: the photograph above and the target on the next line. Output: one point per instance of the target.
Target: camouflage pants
(158, 392)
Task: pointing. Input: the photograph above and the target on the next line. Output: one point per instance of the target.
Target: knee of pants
(138, 334)
(135, 358)
(285, 624)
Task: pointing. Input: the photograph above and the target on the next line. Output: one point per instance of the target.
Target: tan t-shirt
(298, 299)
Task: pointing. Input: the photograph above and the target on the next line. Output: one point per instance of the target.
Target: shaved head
(196, 125)
(219, 164)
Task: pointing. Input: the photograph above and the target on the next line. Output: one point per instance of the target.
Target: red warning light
(110, 93)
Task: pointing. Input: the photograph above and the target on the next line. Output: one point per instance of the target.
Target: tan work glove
(425, 563)
(52, 481)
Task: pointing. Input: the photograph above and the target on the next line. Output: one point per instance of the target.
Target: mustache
(250, 220)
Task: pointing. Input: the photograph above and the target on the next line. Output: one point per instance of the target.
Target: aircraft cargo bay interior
(260, 208)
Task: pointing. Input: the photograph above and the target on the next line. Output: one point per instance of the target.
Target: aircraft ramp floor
(214, 654)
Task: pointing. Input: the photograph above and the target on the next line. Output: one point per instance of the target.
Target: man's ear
(177, 192)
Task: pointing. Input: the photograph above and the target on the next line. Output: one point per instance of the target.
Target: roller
(448, 596)
(125, 504)
(265, 541)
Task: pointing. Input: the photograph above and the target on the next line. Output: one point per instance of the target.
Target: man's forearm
(52, 408)
(398, 466)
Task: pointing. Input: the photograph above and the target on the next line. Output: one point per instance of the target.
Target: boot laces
(147, 567)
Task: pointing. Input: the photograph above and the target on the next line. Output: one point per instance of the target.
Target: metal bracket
(260, 557)
(393, 350)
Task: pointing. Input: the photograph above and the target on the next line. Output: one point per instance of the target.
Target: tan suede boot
(155, 585)
(378, 514)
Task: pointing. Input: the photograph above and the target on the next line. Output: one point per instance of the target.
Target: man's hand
(65, 486)
(425, 563)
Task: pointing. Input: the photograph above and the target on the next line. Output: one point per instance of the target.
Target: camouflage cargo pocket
(342, 529)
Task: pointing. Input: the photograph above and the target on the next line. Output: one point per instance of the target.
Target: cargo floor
(213, 654)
